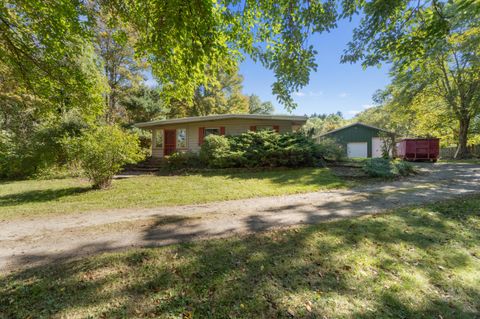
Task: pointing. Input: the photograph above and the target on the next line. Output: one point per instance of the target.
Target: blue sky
(334, 87)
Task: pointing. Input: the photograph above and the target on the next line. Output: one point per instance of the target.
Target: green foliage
(121, 68)
(256, 106)
(330, 149)
(261, 149)
(183, 160)
(321, 123)
(42, 149)
(386, 168)
(143, 104)
(216, 151)
(103, 151)
(222, 95)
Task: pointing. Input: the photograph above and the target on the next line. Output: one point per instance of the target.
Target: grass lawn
(41, 197)
(420, 262)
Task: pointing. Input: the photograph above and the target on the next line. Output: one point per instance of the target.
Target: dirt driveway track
(32, 242)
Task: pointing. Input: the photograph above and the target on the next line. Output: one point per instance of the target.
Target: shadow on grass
(36, 196)
(388, 266)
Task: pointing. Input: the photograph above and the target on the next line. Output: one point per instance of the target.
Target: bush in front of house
(103, 151)
(260, 149)
(183, 160)
(216, 152)
(386, 168)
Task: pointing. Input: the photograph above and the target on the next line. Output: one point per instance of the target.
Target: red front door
(170, 141)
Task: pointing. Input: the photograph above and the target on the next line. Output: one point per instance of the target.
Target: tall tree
(256, 106)
(322, 123)
(435, 50)
(143, 104)
(122, 69)
(222, 96)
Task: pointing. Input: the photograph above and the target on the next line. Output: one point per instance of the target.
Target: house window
(181, 138)
(210, 131)
(159, 138)
(264, 128)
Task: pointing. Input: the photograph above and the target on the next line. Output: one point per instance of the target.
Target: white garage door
(357, 150)
(377, 144)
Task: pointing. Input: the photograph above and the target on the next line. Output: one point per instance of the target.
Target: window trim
(259, 128)
(212, 128)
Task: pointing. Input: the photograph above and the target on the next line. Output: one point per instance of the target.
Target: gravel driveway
(38, 241)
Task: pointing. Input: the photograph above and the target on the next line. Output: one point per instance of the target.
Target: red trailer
(419, 149)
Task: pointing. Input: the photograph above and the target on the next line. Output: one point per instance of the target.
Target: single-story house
(358, 139)
(187, 134)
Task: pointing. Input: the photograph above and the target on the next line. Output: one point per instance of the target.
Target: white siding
(232, 127)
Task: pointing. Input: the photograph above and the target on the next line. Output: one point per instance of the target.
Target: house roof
(301, 119)
(354, 124)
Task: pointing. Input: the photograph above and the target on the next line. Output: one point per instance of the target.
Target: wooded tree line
(69, 65)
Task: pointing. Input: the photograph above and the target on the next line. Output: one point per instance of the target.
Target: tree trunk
(462, 150)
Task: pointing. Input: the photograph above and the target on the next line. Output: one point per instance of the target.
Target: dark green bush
(183, 160)
(41, 150)
(216, 152)
(260, 149)
(331, 149)
(385, 168)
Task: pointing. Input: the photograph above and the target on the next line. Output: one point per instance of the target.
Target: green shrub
(260, 149)
(183, 160)
(102, 152)
(385, 168)
(330, 149)
(40, 150)
(216, 152)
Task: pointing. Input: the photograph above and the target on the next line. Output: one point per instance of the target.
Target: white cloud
(343, 95)
(353, 112)
(367, 106)
(299, 93)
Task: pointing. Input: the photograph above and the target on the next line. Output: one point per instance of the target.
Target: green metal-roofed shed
(358, 139)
